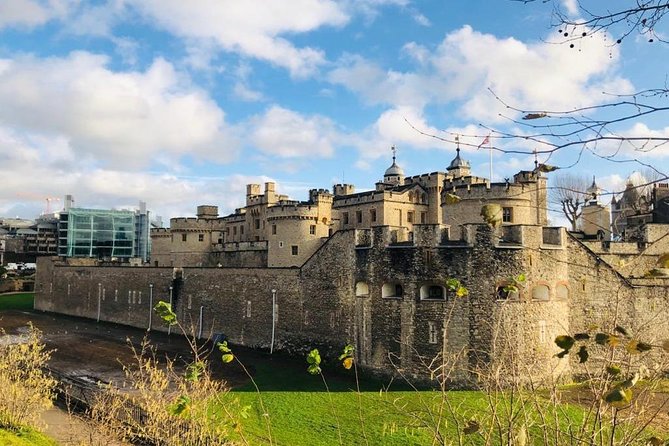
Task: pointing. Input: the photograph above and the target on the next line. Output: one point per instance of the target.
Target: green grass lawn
(301, 412)
(25, 437)
(17, 301)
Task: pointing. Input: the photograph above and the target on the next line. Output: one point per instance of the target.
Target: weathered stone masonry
(363, 287)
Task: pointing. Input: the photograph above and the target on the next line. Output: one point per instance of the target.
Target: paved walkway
(69, 430)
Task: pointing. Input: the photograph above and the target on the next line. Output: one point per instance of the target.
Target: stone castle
(371, 268)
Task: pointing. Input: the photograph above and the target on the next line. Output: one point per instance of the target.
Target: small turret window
(392, 290)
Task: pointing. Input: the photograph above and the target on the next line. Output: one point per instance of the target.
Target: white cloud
(31, 13)
(571, 6)
(124, 119)
(467, 63)
(256, 28)
(284, 133)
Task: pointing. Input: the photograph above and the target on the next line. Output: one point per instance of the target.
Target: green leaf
(565, 342)
(581, 336)
(492, 214)
(223, 347)
(462, 292)
(348, 352)
(451, 199)
(520, 278)
(194, 371)
(164, 311)
(227, 358)
(547, 168)
(619, 397)
(582, 354)
(452, 284)
(314, 361)
(180, 405)
(613, 369)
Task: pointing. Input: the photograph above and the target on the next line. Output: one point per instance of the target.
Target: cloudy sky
(182, 103)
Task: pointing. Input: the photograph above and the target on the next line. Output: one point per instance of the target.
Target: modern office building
(106, 234)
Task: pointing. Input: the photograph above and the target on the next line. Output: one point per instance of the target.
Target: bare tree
(568, 190)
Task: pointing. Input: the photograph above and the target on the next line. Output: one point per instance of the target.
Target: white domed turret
(394, 173)
(459, 167)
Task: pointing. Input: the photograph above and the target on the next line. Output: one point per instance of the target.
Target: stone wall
(389, 299)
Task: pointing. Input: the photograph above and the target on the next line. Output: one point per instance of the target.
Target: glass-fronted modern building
(104, 234)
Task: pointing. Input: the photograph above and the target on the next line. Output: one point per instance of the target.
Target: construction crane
(33, 197)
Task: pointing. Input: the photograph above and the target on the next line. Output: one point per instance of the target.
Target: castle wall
(363, 287)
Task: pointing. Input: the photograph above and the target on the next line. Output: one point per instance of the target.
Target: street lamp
(150, 306)
(271, 346)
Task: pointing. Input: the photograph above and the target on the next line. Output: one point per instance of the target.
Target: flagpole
(490, 150)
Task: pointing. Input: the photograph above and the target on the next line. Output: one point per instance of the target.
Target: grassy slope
(24, 438)
(302, 412)
(17, 301)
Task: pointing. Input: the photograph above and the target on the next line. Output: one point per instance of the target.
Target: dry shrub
(25, 389)
(158, 404)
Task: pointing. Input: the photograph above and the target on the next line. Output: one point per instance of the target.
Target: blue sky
(182, 103)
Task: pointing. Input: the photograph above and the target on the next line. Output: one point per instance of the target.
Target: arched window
(506, 292)
(424, 198)
(392, 290)
(562, 291)
(541, 292)
(432, 291)
(411, 197)
(361, 289)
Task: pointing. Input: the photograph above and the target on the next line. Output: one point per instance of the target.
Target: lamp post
(150, 306)
(271, 346)
(99, 300)
(169, 327)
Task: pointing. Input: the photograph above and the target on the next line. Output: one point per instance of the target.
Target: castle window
(227, 230)
(372, 214)
(257, 223)
(507, 215)
(312, 229)
(361, 289)
(541, 292)
(200, 237)
(241, 230)
(358, 216)
(280, 244)
(345, 218)
(184, 237)
(273, 229)
(562, 292)
(432, 332)
(424, 198)
(234, 230)
(294, 250)
(392, 290)
(411, 196)
(432, 291)
(504, 293)
(248, 308)
(423, 218)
